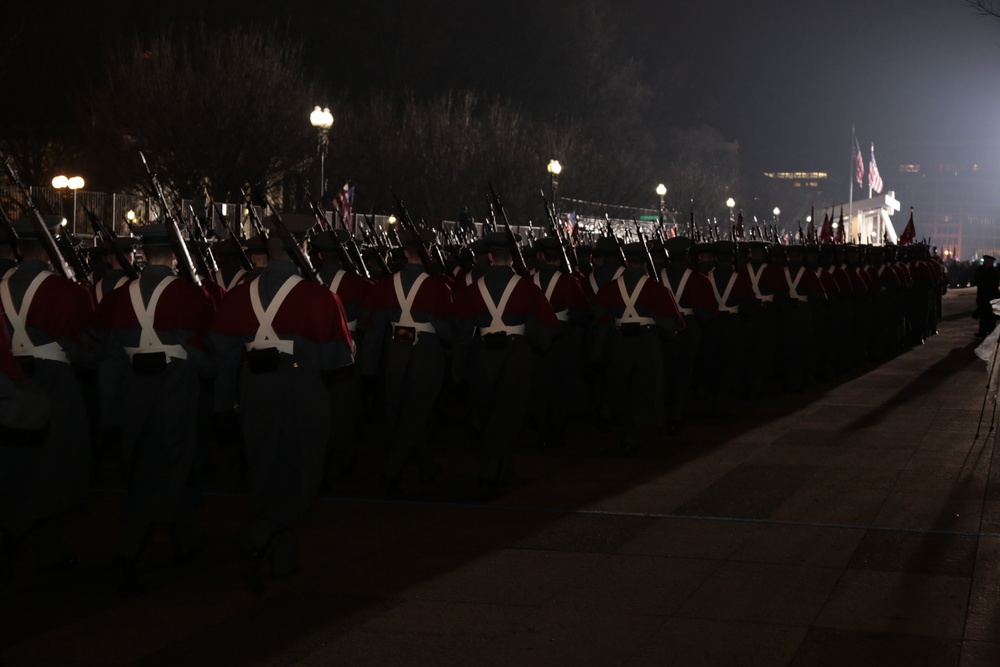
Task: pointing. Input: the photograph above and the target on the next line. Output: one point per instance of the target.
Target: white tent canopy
(868, 220)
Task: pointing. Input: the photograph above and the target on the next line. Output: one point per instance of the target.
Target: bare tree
(230, 105)
(985, 7)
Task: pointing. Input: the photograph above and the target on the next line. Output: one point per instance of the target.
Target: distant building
(956, 207)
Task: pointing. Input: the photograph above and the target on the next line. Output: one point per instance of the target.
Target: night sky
(798, 75)
(785, 78)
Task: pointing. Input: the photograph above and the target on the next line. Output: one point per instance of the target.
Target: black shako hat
(500, 241)
(26, 230)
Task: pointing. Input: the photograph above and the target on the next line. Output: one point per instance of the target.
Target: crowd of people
(298, 350)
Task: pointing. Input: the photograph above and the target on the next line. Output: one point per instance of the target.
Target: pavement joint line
(915, 406)
(616, 513)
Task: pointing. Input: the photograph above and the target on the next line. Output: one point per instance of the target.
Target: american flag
(343, 202)
(874, 180)
(859, 164)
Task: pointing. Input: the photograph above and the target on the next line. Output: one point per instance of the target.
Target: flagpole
(850, 199)
(870, 171)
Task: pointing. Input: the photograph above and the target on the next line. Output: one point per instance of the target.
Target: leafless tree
(229, 105)
(985, 7)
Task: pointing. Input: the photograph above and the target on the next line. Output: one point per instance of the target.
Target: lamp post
(74, 183)
(554, 169)
(661, 190)
(322, 120)
(731, 203)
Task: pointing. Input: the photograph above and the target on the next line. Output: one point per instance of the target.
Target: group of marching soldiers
(300, 351)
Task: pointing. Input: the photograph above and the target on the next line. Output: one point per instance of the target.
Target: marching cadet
(635, 313)
(828, 323)
(695, 298)
(8, 254)
(803, 294)
(558, 372)
(231, 263)
(736, 300)
(501, 317)
(114, 276)
(274, 338)
(24, 408)
(153, 335)
(767, 281)
(480, 265)
(346, 388)
(49, 322)
(406, 327)
(607, 265)
(847, 258)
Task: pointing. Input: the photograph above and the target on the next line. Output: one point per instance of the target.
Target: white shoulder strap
(266, 336)
(20, 342)
(630, 298)
(496, 309)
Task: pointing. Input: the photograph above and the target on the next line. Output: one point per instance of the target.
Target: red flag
(909, 233)
(826, 233)
(839, 236)
(874, 180)
(859, 164)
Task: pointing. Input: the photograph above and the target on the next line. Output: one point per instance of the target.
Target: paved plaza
(856, 523)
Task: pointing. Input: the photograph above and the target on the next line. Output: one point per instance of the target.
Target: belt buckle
(495, 341)
(629, 329)
(402, 334)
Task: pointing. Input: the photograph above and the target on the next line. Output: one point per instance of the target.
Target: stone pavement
(856, 523)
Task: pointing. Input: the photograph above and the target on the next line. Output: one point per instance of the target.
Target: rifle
(242, 255)
(490, 222)
(557, 232)
(255, 221)
(650, 267)
(291, 246)
(8, 226)
(618, 242)
(205, 259)
(377, 244)
(520, 267)
(345, 257)
(52, 248)
(407, 222)
(176, 239)
(101, 230)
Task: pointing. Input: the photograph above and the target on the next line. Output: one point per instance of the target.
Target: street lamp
(661, 190)
(731, 203)
(554, 170)
(74, 183)
(322, 120)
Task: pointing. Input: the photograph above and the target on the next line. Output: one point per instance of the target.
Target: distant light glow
(321, 118)
(796, 175)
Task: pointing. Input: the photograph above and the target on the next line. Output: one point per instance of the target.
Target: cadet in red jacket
(274, 338)
(407, 324)
(635, 312)
(49, 322)
(153, 330)
(501, 317)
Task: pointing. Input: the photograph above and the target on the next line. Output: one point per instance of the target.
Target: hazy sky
(788, 79)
